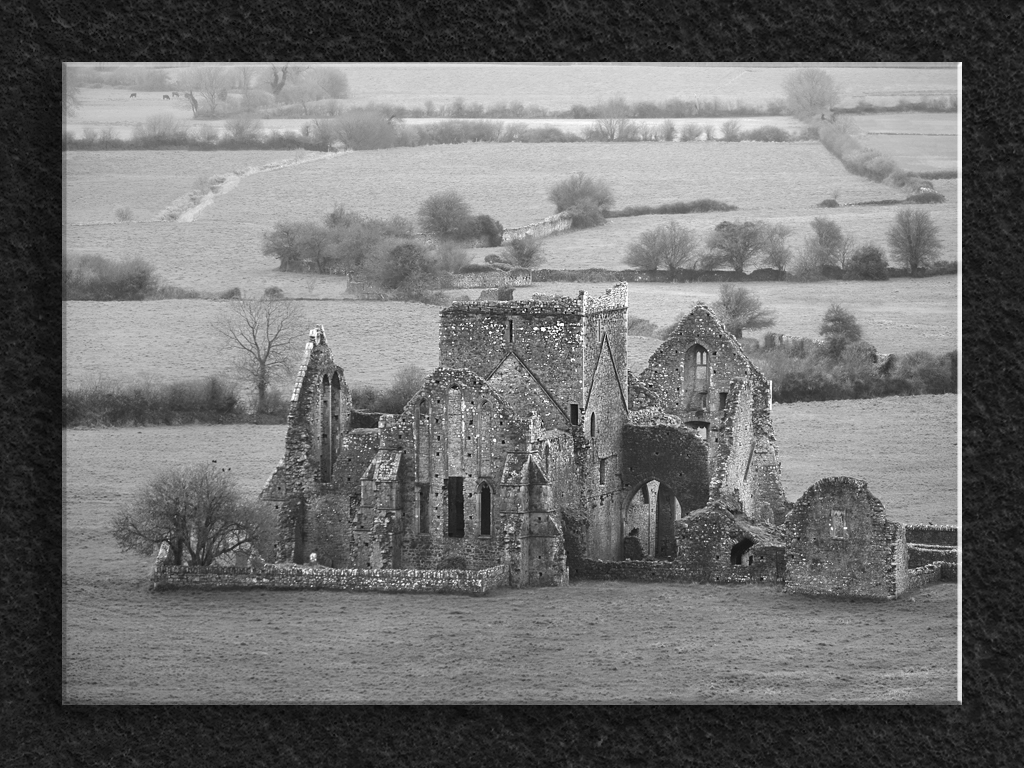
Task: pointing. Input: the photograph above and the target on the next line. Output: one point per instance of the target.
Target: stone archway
(653, 508)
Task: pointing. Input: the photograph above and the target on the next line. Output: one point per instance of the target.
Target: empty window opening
(509, 331)
(602, 469)
(326, 456)
(485, 510)
(574, 414)
(722, 397)
(593, 425)
(547, 458)
(456, 508)
(741, 554)
(424, 521)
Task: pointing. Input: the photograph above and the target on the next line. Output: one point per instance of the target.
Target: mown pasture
(174, 340)
(255, 647)
(221, 248)
(918, 141)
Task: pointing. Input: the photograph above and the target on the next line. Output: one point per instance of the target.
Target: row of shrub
(363, 130)
(855, 374)
(206, 401)
(863, 161)
(704, 205)
(645, 110)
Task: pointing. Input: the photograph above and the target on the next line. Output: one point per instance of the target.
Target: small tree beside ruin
(263, 335)
(197, 511)
(739, 308)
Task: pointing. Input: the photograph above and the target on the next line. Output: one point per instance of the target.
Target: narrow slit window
(593, 425)
(485, 510)
(574, 414)
(602, 470)
(456, 509)
(509, 331)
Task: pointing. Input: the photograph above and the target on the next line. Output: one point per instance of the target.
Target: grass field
(593, 641)
(601, 642)
(559, 86)
(220, 249)
(172, 340)
(918, 141)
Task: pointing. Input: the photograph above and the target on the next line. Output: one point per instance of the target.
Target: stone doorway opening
(653, 508)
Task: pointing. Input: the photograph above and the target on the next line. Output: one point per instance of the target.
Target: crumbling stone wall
(300, 475)
(747, 476)
(691, 373)
(839, 542)
(714, 545)
(293, 576)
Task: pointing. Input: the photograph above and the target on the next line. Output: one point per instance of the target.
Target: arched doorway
(652, 508)
(741, 554)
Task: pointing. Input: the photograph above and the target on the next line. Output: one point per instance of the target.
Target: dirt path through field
(187, 207)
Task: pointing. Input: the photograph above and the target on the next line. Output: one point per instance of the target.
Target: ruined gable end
(839, 542)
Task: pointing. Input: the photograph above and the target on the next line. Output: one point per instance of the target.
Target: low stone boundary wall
(923, 576)
(516, 278)
(289, 576)
(557, 223)
(940, 535)
(923, 554)
(668, 570)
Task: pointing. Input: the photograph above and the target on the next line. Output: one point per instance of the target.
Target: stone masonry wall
(747, 476)
(557, 223)
(286, 576)
(455, 426)
(838, 542)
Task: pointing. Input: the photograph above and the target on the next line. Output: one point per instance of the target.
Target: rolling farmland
(255, 647)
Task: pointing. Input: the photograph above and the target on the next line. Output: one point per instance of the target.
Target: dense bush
(489, 228)
(96, 278)
(926, 197)
(362, 130)
(840, 329)
(581, 190)
(731, 130)
(585, 215)
(447, 215)
(450, 257)
(523, 252)
(868, 263)
(689, 132)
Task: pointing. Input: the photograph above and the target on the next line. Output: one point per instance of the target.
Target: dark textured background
(36, 730)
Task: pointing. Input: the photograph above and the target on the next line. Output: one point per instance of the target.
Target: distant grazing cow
(175, 94)
(132, 96)
(166, 97)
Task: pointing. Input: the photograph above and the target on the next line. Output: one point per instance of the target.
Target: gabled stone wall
(839, 542)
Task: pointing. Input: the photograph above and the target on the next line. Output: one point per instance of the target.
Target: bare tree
(279, 76)
(810, 92)
(739, 308)
(735, 244)
(197, 512)
(914, 239)
(670, 244)
(828, 244)
(208, 82)
(777, 254)
(263, 333)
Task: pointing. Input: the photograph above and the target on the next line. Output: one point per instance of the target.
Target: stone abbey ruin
(532, 456)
